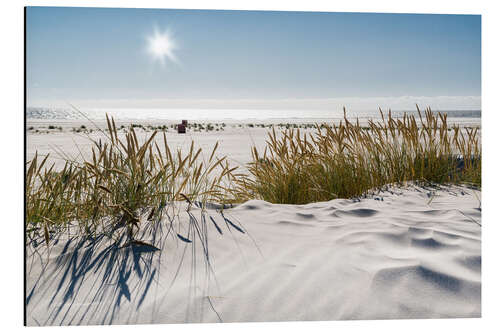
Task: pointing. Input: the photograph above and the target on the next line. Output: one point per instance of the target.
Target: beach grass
(125, 182)
(121, 180)
(347, 160)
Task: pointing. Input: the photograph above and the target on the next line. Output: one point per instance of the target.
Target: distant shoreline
(221, 115)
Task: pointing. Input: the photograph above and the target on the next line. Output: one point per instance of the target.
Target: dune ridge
(403, 253)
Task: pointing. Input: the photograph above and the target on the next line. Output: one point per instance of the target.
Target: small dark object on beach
(181, 129)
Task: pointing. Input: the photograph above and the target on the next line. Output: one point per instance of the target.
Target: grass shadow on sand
(115, 271)
(100, 280)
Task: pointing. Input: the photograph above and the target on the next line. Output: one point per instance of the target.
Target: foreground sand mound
(405, 253)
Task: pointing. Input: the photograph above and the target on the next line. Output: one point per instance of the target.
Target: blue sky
(98, 58)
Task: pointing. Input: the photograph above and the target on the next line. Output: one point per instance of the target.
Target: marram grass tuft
(346, 160)
(120, 181)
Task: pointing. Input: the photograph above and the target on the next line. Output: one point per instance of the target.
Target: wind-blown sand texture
(404, 253)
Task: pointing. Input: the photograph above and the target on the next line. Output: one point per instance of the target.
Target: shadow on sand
(81, 281)
(90, 278)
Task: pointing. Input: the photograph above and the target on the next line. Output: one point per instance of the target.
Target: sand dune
(403, 253)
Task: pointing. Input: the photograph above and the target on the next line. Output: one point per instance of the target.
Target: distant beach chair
(181, 129)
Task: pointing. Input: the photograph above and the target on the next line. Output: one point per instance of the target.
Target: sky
(110, 58)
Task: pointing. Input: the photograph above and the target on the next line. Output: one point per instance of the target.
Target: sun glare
(161, 46)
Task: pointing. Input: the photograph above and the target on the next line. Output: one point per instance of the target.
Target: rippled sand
(403, 253)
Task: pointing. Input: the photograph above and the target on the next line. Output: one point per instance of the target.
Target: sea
(42, 113)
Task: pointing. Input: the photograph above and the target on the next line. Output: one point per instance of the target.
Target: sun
(161, 46)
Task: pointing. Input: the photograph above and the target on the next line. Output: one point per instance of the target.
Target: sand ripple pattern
(395, 255)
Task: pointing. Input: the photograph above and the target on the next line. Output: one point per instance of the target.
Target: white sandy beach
(403, 253)
(235, 139)
(233, 142)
